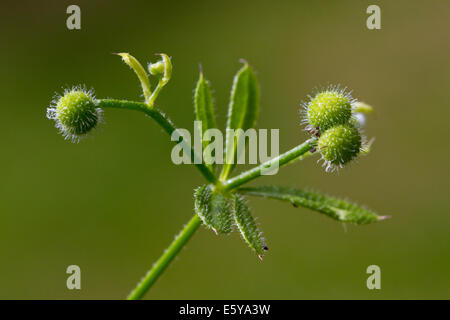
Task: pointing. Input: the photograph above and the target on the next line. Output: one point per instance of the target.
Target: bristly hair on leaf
(214, 209)
(247, 226)
(335, 208)
(204, 112)
(243, 112)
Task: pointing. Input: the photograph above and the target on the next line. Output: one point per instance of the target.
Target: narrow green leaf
(214, 209)
(333, 207)
(204, 110)
(242, 111)
(247, 226)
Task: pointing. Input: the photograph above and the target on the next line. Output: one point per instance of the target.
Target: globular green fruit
(328, 108)
(214, 209)
(339, 145)
(75, 114)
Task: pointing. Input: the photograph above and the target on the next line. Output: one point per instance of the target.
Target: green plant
(332, 118)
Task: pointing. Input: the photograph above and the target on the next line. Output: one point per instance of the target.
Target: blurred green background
(113, 202)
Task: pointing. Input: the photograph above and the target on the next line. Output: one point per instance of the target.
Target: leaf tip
(243, 61)
(124, 55)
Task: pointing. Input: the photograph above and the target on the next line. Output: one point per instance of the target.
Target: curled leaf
(164, 67)
(333, 207)
(134, 64)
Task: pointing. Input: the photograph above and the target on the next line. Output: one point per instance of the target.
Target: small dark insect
(265, 248)
(315, 131)
(312, 150)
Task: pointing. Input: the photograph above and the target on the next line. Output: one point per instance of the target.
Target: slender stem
(152, 98)
(279, 161)
(163, 121)
(168, 255)
(187, 232)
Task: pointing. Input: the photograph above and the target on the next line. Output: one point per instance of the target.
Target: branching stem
(283, 159)
(232, 183)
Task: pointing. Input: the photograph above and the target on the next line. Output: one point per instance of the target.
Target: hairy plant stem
(283, 159)
(171, 252)
(230, 184)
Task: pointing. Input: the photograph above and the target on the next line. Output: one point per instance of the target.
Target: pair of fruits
(331, 116)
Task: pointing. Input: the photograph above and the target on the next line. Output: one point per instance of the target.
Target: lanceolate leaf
(335, 208)
(204, 111)
(214, 209)
(242, 111)
(247, 226)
